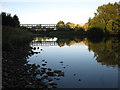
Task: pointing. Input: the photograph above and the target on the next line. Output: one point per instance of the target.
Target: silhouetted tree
(8, 20)
(16, 21)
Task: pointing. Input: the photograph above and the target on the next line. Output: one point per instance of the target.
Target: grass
(15, 35)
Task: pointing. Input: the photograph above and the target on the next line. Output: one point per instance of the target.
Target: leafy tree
(95, 32)
(70, 25)
(106, 18)
(16, 21)
(60, 25)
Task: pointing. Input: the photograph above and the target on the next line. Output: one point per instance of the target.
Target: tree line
(8, 20)
(107, 18)
(106, 21)
(68, 26)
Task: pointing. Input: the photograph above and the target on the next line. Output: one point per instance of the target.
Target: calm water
(85, 64)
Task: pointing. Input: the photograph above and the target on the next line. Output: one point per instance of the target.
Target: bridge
(39, 26)
(43, 43)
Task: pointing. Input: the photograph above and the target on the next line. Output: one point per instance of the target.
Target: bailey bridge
(39, 26)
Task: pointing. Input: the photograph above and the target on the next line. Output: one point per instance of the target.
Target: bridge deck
(39, 26)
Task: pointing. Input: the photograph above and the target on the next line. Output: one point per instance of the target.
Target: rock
(43, 60)
(34, 48)
(43, 64)
(50, 73)
(52, 83)
(54, 78)
(57, 78)
(57, 71)
(74, 74)
(79, 80)
(49, 79)
(44, 68)
(38, 65)
(45, 76)
(49, 69)
(61, 74)
(61, 62)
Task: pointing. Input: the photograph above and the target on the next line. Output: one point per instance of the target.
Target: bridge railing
(39, 26)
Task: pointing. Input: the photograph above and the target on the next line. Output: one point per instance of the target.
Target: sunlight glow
(51, 11)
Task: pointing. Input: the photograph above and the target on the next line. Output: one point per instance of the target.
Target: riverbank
(16, 72)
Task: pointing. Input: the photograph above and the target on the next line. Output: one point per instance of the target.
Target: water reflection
(107, 51)
(79, 60)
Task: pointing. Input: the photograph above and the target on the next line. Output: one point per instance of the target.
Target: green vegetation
(14, 35)
(106, 22)
(107, 18)
(95, 33)
(61, 26)
(107, 51)
(16, 72)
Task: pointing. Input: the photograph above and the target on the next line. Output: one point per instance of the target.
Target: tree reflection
(106, 50)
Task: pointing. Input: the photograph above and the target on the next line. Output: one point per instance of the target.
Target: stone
(49, 69)
(50, 73)
(61, 62)
(57, 71)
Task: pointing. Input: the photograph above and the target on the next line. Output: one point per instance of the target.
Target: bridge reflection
(43, 43)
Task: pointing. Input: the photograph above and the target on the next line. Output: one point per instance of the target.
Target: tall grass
(15, 36)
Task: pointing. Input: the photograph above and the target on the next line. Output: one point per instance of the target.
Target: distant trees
(8, 20)
(107, 18)
(60, 25)
(106, 21)
(69, 26)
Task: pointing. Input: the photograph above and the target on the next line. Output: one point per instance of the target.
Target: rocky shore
(17, 73)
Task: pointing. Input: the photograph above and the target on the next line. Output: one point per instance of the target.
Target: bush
(95, 32)
(15, 35)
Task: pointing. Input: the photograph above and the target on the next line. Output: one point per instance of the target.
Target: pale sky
(52, 11)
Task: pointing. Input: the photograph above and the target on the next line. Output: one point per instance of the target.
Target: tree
(8, 20)
(16, 21)
(105, 16)
(70, 25)
(60, 25)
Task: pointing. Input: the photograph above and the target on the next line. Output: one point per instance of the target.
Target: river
(85, 64)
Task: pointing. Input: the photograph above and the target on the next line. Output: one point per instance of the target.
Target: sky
(52, 11)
